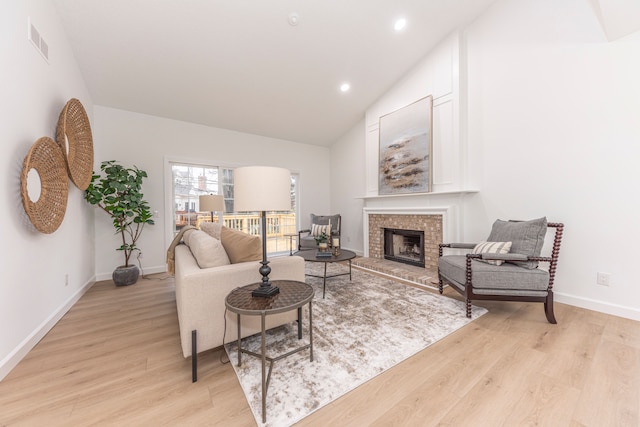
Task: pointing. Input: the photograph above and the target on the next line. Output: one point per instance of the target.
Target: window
(191, 181)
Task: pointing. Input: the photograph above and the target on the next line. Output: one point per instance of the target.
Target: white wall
(554, 117)
(348, 186)
(438, 74)
(33, 294)
(148, 141)
(548, 126)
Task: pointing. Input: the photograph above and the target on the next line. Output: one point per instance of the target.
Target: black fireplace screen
(405, 246)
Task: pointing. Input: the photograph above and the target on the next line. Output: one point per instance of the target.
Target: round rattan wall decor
(73, 134)
(45, 159)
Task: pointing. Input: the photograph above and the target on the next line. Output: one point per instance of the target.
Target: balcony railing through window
(279, 226)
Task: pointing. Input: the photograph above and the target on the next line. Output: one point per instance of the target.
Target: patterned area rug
(362, 328)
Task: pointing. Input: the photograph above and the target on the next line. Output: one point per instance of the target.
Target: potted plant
(117, 192)
(322, 241)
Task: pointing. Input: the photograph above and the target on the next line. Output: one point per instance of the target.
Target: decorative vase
(323, 246)
(125, 275)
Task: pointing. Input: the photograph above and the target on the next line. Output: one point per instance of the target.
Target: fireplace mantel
(433, 193)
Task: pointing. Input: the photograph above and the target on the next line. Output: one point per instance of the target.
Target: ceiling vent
(37, 41)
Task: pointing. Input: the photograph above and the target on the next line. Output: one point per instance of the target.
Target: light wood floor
(115, 359)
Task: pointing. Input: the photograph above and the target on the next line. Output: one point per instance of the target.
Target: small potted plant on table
(322, 240)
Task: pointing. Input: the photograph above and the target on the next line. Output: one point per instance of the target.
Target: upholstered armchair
(506, 266)
(330, 224)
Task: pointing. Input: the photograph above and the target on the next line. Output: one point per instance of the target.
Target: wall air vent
(36, 39)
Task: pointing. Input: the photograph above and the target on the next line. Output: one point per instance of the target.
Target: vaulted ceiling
(240, 65)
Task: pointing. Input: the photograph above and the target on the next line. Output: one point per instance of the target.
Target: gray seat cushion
(505, 279)
(308, 242)
(526, 237)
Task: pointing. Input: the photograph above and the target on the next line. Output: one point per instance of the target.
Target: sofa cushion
(241, 247)
(526, 237)
(208, 251)
(492, 248)
(213, 229)
(186, 235)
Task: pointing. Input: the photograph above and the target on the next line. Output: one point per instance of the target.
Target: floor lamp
(262, 188)
(211, 203)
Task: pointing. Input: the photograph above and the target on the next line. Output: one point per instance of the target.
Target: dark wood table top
(293, 294)
(310, 255)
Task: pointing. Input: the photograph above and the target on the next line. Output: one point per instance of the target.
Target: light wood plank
(115, 359)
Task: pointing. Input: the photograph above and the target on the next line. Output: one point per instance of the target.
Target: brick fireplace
(430, 224)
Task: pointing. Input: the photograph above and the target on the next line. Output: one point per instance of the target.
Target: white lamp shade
(261, 188)
(211, 203)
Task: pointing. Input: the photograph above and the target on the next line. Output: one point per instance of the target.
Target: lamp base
(265, 291)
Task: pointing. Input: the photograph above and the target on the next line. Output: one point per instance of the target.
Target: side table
(293, 295)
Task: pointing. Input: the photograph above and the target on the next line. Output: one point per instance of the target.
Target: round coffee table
(344, 255)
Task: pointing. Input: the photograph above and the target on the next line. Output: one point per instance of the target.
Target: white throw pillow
(208, 251)
(317, 229)
(492, 248)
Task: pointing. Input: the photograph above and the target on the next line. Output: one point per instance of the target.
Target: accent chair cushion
(526, 237)
(506, 279)
(241, 247)
(492, 248)
(207, 250)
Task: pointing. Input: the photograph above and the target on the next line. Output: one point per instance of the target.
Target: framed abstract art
(406, 149)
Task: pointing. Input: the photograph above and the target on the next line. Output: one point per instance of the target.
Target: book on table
(320, 254)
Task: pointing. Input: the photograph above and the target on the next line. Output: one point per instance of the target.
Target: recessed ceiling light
(344, 87)
(293, 19)
(400, 24)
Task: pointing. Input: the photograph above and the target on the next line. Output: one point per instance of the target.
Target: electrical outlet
(603, 279)
(66, 279)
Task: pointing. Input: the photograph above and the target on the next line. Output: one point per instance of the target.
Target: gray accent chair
(307, 241)
(517, 277)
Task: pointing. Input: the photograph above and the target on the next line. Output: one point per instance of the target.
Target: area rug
(363, 327)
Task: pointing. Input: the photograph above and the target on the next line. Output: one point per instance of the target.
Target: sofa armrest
(201, 294)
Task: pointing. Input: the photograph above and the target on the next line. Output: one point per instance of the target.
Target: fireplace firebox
(405, 246)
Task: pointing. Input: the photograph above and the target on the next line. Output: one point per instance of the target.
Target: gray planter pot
(125, 276)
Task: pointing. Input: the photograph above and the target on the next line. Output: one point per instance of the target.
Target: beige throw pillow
(241, 247)
(208, 251)
(186, 235)
(213, 229)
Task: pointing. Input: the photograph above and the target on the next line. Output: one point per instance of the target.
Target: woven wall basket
(73, 134)
(46, 158)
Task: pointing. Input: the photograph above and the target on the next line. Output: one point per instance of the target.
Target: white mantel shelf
(433, 193)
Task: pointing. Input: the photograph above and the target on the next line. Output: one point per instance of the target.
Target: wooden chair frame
(470, 295)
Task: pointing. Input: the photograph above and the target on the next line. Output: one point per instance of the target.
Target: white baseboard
(603, 307)
(358, 253)
(13, 358)
(147, 270)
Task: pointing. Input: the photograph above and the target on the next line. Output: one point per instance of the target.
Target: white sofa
(201, 293)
